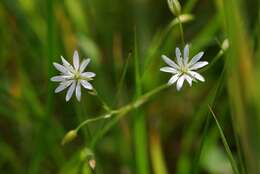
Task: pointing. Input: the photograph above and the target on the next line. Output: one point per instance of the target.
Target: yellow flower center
(184, 70)
(77, 76)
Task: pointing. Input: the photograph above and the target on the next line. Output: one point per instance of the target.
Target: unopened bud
(225, 45)
(93, 92)
(92, 164)
(175, 7)
(71, 135)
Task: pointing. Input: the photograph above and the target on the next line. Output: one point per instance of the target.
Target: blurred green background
(172, 133)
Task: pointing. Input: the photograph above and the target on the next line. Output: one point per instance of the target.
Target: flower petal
(58, 78)
(180, 82)
(78, 91)
(67, 64)
(86, 84)
(70, 91)
(169, 70)
(198, 65)
(189, 79)
(168, 61)
(196, 76)
(88, 74)
(63, 86)
(186, 54)
(76, 60)
(173, 79)
(178, 56)
(196, 58)
(83, 65)
(61, 68)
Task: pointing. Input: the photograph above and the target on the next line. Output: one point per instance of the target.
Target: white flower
(73, 76)
(184, 69)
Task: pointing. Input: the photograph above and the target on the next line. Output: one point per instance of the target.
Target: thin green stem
(181, 31)
(238, 145)
(120, 112)
(139, 123)
(105, 116)
(214, 60)
(115, 115)
(126, 109)
(122, 78)
(223, 138)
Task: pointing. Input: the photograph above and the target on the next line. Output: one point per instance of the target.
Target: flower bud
(92, 163)
(71, 135)
(175, 7)
(225, 44)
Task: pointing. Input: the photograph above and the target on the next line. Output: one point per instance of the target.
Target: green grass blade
(122, 78)
(139, 122)
(227, 148)
(156, 151)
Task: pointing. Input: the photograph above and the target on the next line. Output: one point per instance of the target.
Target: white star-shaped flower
(73, 76)
(184, 69)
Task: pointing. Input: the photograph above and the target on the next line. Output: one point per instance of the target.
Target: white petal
(61, 68)
(58, 78)
(88, 74)
(173, 79)
(76, 60)
(70, 91)
(197, 76)
(84, 64)
(196, 58)
(169, 70)
(178, 56)
(170, 62)
(186, 54)
(67, 64)
(198, 65)
(86, 84)
(189, 79)
(78, 91)
(180, 82)
(63, 86)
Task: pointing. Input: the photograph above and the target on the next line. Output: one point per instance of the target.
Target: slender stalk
(181, 31)
(241, 163)
(223, 138)
(139, 123)
(105, 116)
(221, 52)
(115, 115)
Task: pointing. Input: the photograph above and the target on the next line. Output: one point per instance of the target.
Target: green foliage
(132, 122)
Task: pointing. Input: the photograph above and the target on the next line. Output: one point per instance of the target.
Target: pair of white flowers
(73, 77)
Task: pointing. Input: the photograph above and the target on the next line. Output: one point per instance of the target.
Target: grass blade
(227, 148)
(139, 130)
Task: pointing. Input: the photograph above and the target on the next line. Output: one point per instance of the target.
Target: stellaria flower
(73, 76)
(184, 69)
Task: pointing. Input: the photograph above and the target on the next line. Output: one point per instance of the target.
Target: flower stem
(181, 31)
(104, 116)
(119, 113)
(224, 141)
(221, 52)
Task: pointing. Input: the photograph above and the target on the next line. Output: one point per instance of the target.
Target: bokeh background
(172, 133)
